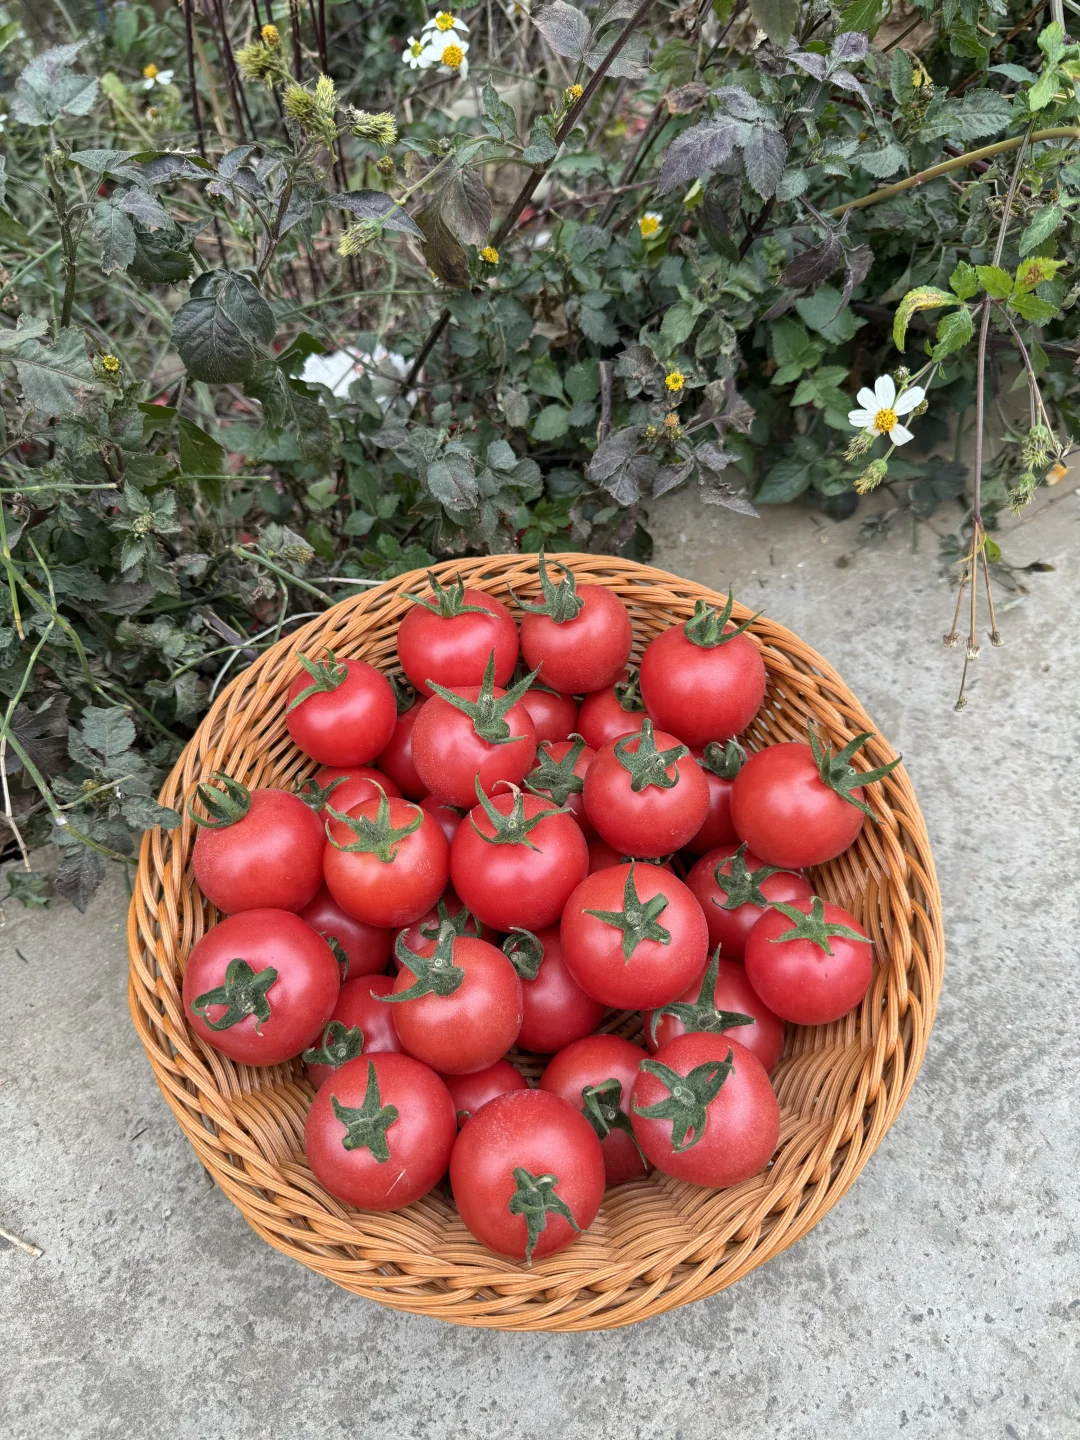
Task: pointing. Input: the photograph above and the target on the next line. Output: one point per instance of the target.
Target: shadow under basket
(656, 1243)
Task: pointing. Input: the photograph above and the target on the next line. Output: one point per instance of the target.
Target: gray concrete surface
(940, 1298)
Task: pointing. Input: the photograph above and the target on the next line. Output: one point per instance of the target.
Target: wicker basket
(657, 1243)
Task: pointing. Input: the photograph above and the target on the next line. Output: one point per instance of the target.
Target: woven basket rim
(658, 1243)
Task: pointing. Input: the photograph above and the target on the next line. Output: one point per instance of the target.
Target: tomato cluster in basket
(537, 855)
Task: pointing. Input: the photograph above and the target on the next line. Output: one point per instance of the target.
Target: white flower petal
(885, 392)
(910, 398)
(867, 399)
(463, 70)
(900, 435)
(164, 77)
(861, 419)
(148, 84)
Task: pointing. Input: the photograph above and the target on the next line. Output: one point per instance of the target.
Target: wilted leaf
(926, 297)
(42, 733)
(565, 28)
(847, 81)
(145, 207)
(100, 161)
(442, 251)
(79, 874)
(374, 204)
(48, 87)
(849, 47)
(686, 98)
(632, 61)
(816, 264)
(451, 480)
(764, 156)
(466, 207)
(56, 379)
(668, 476)
(699, 150)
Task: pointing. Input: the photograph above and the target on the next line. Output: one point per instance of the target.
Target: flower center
(884, 421)
(674, 381)
(648, 225)
(416, 48)
(150, 72)
(452, 56)
(444, 20)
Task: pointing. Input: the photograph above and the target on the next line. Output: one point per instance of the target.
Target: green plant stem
(258, 558)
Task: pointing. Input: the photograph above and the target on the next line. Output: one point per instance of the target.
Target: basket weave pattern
(657, 1243)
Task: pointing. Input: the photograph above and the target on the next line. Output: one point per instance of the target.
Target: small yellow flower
(675, 381)
(444, 20)
(490, 255)
(271, 36)
(649, 223)
(671, 421)
(452, 57)
(150, 72)
(110, 363)
(573, 93)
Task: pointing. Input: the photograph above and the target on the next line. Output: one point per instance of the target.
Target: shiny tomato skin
(519, 884)
(555, 1009)
(544, 1135)
(358, 784)
(453, 651)
(414, 936)
(786, 814)
(733, 991)
(554, 717)
(470, 1092)
(589, 1062)
(420, 1140)
(470, 1029)
(701, 694)
(583, 654)
(448, 816)
(656, 972)
(449, 754)
(396, 761)
(367, 946)
(649, 822)
(346, 726)
(797, 979)
(601, 717)
(271, 859)
(602, 856)
(301, 999)
(356, 1005)
(729, 928)
(394, 893)
(742, 1125)
(558, 750)
(716, 828)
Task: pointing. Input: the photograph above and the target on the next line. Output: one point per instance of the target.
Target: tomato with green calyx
(555, 1009)
(722, 1002)
(358, 1026)
(340, 712)
(596, 1076)
(380, 1134)
(719, 764)
(344, 786)
(471, 1092)
(449, 817)
(705, 680)
(810, 962)
(448, 907)
(633, 936)
(703, 1110)
(527, 1174)
(579, 639)
(516, 858)
(613, 712)
(559, 776)
(456, 1002)
(257, 849)
(396, 760)
(800, 805)
(602, 856)
(733, 886)
(645, 794)
(361, 949)
(476, 731)
(554, 716)
(447, 637)
(260, 986)
(386, 861)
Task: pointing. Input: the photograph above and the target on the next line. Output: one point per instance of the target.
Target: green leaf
(677, 325)
(1041, 226)
(1035, 269)
(79, 874)
(564, 27)
(953, 333)
(1052, 41)
(552, 422)
(1032, 308)
(216, 332)
(200, 453)
(883, 160)
(290, 407)
(56, 379)
(785, 481)
(583, 380)
(541, 147)
(502, 118)
(825, 312)
(13, 233)
(860, 15)
(777, 18)
(1043, 91)
(543, 378)
(115, 233)
(101, 162)
(101, 740)
(995, 281)
(900, 81)
(964, 281)
(48, 87)
(925, 297)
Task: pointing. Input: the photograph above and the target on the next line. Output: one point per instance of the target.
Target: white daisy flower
(881, 410)
(448, 53)
(443, 22)
(413, 55)
(153, 76)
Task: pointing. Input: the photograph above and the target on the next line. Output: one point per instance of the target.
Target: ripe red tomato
(527, 1174)
(720, 1003)
(602, 856)
(596, 1076)
(810, 962)
(449, 817)
(733, 887)
(366, 947)
(633, 936)
(396, 759)
(449, 636)
(260, 986)
(704, 680)
(359, 1025)
(611, 713)
(477, 732)
(719, 764)
(340, 712)
(646, 794)
(456, 1003)
(554, 716)
(515, 859)
(259, 849)
(358, 783)
(380, 1134)
(386, 862)
(561, 766)
(580, 639)
(800, 805)
(555, 1009)
(703, 1110)
(470, 1092)
(447, 907)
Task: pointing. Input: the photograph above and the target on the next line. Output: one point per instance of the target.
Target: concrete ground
(940, 1298)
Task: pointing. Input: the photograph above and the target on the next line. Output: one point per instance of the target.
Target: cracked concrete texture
(940, 1298)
